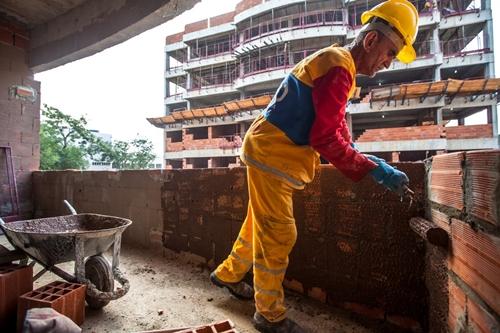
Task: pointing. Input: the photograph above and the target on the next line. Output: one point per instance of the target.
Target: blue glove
(390, 177)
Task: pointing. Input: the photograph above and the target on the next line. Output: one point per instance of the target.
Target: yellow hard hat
(402, 16)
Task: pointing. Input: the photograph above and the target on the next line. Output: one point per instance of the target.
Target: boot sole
(219, 284)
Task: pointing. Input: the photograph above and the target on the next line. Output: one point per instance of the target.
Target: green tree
(66, 143)
(62, 140)
(137, 154)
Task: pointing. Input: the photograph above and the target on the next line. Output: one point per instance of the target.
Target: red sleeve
(329, 134)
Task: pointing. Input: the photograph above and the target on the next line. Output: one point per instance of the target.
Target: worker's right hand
(388, 176)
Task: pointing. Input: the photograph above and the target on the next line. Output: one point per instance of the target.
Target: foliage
(66, 143)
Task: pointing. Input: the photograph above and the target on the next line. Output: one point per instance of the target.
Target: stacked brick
(426, 132)
(66, 298)
(469, 131)
(402, 133)
(354, 243)
(464, 197)
(15, 280)
(188, 143)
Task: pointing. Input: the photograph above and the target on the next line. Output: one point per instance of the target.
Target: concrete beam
(206, 62)
(431, 144)
(430, 102)
(213, 121)
(96, 25)
(467, 60)
(297, 34)
(465, 19)
(209, 32)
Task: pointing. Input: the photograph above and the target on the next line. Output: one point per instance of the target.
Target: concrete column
(188, 81)
(167, 88)
(438, 118)
(209, 129)
(395, 157)
(493, 118)
(436, 50)
(348, 119)
(488, 38)
(167, 61)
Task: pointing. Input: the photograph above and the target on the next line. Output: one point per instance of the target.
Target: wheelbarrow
(82, 238)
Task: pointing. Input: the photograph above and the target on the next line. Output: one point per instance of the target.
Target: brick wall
(188, 143)
(354, 244)
(464, 200)
(245, 4)
(129, 194)
(221, 19)
(19, 121)
(426, 132)
(174, 38)
(402, 133)
(195, 26)
(469, 131)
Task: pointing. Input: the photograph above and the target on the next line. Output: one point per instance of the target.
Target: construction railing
(251, 66)
(424, 48)
(175, 97)
(213, 49)
(292, 22)
(459, 7)
(213, 80)
(463, 46)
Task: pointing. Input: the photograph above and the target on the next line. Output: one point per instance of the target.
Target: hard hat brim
(407, 54)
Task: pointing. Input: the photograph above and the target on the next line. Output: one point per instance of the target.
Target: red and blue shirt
(305, 119)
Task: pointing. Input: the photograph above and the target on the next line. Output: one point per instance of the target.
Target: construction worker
(306, 119)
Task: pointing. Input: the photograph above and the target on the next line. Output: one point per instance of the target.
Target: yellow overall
(278, 160)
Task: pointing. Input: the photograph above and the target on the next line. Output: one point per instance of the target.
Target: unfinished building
(241, 57)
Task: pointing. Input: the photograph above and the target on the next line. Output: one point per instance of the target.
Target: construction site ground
(170, 290)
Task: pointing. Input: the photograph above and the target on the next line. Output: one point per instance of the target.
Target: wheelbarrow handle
(71, 209)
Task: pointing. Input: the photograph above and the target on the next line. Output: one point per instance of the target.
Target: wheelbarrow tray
(52, 240)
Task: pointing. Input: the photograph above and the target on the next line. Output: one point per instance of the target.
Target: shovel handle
(71, 209)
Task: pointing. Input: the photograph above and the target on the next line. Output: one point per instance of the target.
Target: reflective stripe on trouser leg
(274, 234)
(239, 261)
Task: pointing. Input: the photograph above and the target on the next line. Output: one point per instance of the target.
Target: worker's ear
(370, 40)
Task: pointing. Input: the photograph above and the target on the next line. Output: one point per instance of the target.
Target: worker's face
(380, 51)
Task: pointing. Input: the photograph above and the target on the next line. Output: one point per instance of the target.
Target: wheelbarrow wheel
(98, 271)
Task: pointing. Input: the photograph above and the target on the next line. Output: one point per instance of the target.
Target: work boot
(284, 326)
(240, 290)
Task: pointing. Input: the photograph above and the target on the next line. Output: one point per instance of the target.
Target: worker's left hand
(389, 176)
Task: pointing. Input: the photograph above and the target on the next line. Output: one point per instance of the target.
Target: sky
(118, 88)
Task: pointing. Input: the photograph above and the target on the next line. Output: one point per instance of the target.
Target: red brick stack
(15, 280)
(464, 190)
(64, 297)
(426, 132)
(469, 131)
(402, 133)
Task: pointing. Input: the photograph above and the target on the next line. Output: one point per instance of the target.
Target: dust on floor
(173, 290)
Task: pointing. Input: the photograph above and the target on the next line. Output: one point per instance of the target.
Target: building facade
(221, 72)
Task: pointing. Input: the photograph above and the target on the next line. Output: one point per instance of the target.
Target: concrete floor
(172, 290)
